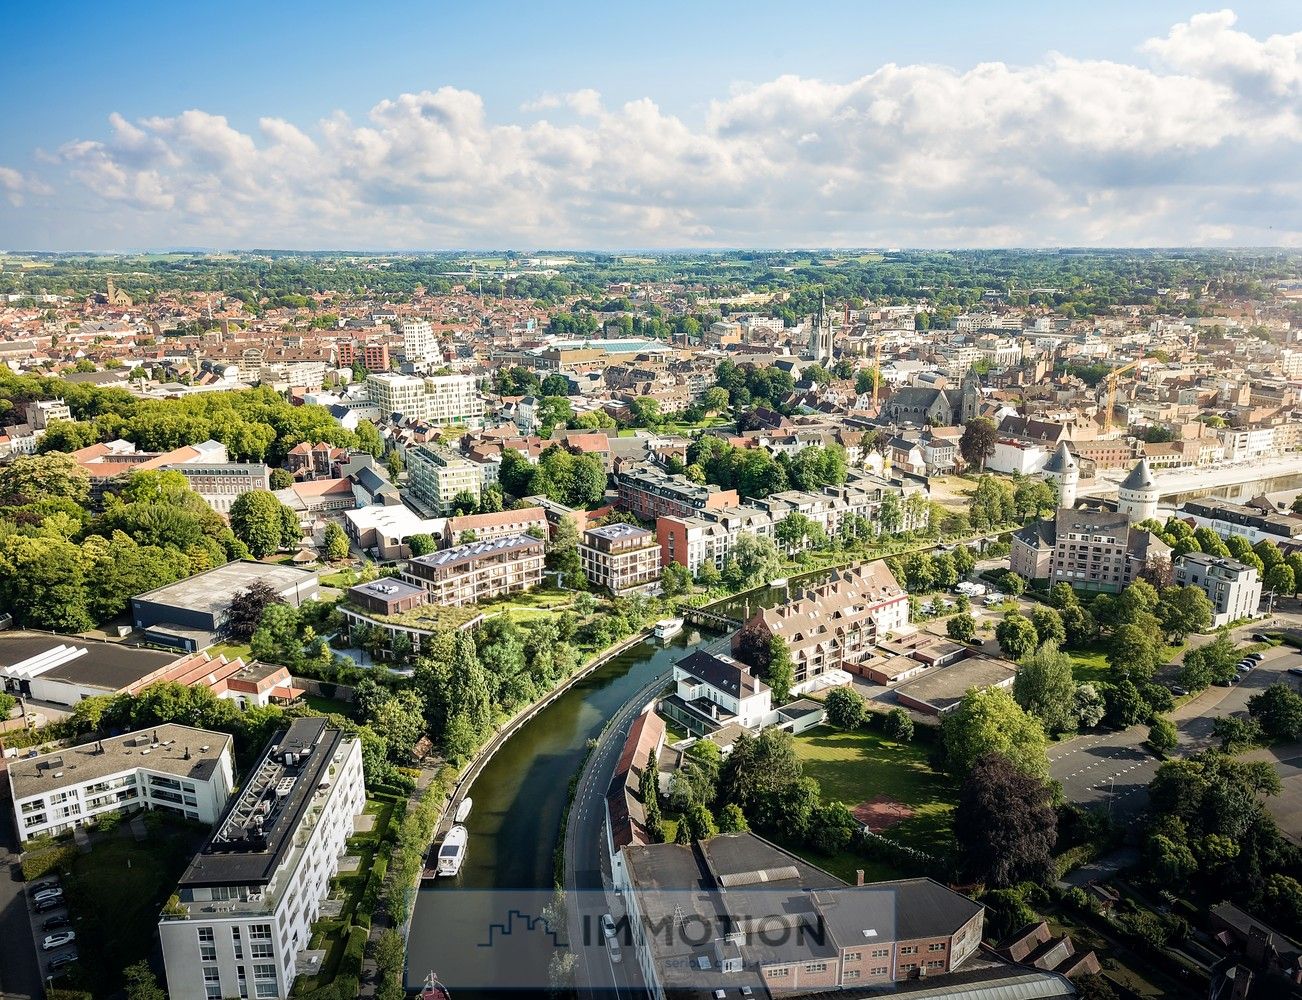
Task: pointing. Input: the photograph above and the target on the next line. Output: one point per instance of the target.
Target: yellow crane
(1111, 380)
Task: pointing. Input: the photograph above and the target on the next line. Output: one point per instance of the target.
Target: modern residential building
(375, 357)
(453, 399)
(620, 558)
(419, 345)
(436, 477)
(1254, 524)
(243, 910)
(712, 690)
(832, 626)
(394, 393)
(183, 770)
(648, 492)
(1233, 587)
(465, 574)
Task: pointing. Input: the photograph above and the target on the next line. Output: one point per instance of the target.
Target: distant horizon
(696, 127)
(652, 251)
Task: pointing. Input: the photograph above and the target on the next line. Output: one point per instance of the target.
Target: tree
(1013, 584)
(1162, 734)
(1061, 595)
(1125, 705)
(563, 553)
(259, 521)
(1278, 710)
(978, 441)
(1048, 626)
(1182, 610)
(1004, 824)
(1280, 580)
(281, 479)
(1016, 636)
(961, 628)
(990, 721)
(141, 984)
(1134, 653)
(421, 544)
(335, 544)
(780, 672)
(675, 580)
(831, 828)
(758, 560)
(732, 819)
(845, 708)
(247, 608)
(1078, 625)
(1089, 706)
(31, 478)
(899, 725)
(1044, 687)
(465, 503)
(1209, 664)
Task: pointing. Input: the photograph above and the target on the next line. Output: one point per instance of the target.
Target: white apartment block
(419, 344)
(244, 909)
(1234, 588)
(394, 393)
(184, 770)
(436, 477)
(454, 399)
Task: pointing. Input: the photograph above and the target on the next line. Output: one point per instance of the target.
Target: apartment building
(419, 345)
(435, 478)
(489, 527)
(186, 771)
(375, 357)
(1100, 551)
(620, 558)
(823, 934)
(648, 492)
(1233, 587)
(465, 574)
(219, 483)
(1255, 524)
(453, 399)
(394, 393)
(831, 627)
(243, 910)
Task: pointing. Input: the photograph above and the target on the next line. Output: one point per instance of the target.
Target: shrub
(38, 865)
(350, 966)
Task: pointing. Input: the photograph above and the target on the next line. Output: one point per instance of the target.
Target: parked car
(1295, 670)
(56, 923)
(616, 954)
(49, 883)
(1255, 657)
(1178, 691)
(61, 962)
(53, 941)
(1243, 666)
(46, 905)
(607, 925)
(47, 894)
(1260, 637)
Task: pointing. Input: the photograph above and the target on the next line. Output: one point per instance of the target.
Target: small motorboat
(668, 628)
(463, 810)
(452, 852)
(433, 989)
(779, 583)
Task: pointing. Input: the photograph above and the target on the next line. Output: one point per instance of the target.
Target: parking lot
(53, 931)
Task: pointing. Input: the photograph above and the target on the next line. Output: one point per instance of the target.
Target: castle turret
(1137, 495)
(1061, 469)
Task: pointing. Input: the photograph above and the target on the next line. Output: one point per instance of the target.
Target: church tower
(969, 397)
(1137, 495)
(1061, 469)
(819, 347)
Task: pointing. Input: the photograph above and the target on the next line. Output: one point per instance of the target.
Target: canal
(520, 795)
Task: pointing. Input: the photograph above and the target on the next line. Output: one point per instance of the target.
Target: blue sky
(70, 66)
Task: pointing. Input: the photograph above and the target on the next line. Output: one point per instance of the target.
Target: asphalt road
(585, 856)
(1112, 770)
(20, 968)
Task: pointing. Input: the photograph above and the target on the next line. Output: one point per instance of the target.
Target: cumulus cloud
(1195, 142)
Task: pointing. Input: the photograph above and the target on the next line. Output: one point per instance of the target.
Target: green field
(852, 767)
(1091, 663)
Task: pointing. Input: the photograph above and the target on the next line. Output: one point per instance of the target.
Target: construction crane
(1111, 380)
(877, 368)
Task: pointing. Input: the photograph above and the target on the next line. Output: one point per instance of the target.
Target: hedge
(36, 865)
(350, 966)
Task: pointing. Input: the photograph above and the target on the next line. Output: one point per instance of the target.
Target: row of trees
(572, 478)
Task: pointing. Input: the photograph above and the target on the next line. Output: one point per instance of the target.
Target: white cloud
(1197, 142)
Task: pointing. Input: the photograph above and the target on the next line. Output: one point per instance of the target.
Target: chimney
(187, 753)
(858, 876)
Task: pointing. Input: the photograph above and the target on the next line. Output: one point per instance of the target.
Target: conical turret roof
(1140, 479)
(1061, 462)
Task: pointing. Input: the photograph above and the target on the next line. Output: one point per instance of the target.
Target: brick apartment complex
(620, 558)
(1091, 550)
(649, 492)
(498, 524)
(469, 573)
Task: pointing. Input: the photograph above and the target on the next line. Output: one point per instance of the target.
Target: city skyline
(930, 128)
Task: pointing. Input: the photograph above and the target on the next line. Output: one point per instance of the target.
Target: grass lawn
(231, 650)
(115, 894)
(343, 579)
(1091, 663)
(852, 767)
(329, 706)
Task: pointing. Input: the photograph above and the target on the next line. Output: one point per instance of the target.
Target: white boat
(452, 852)
(463, 810)
(668, 627)
(779, 583)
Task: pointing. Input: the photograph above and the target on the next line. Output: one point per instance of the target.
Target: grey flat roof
(213, 591)
(230, 857)
(172, 749)
(379, 588)
(110, 666)
(942, 687)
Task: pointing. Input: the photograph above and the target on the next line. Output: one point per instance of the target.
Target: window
(878, 970)
(908, 949)
(260, 931)
(238, 945)
(852, 974)
(779, 973)
(936, 964)
(881, 953)
(265, 990)
(936, 946)
(816, 967)
(853, 956)
(212, 984)
(261, 949)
